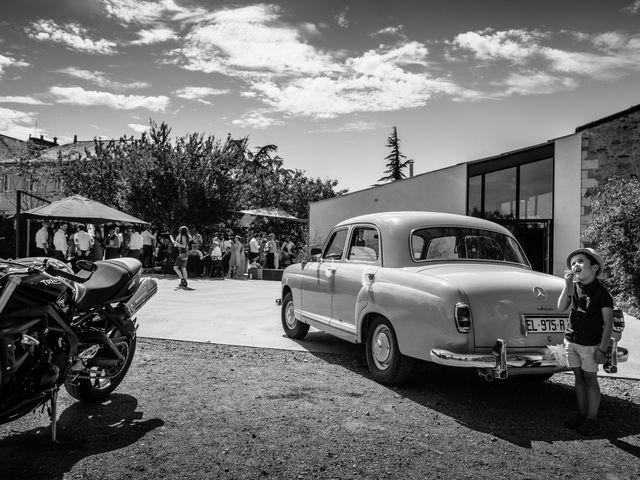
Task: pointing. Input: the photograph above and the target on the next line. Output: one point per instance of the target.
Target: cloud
(141, 12)
(356, 126)
(22, 100)
(15, 123)
(80, 96)
(72, 35)
(287, 73)
(512, 45)
(101, 79)
(138, 127)
(535, 83)
(633, 8)
(154, 35)
(603, 56)
(341, 18)
(394, 31)
(10, 62)
(256, 120)
(199, 94)
(250, 41)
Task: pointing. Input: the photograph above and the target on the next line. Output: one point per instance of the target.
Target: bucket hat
(591, 252)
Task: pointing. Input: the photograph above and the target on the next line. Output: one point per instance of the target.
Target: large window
(536, 190)
(524, 192)
(500, 194)
(475, 196)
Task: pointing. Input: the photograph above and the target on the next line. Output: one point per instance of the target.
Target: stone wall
(610, 148)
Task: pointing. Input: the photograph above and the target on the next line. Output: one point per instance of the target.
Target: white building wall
(439, 191)
(567, 184)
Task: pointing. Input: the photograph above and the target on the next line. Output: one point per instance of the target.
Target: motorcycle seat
(108, 282)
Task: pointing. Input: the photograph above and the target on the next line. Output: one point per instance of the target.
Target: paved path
(244, 312)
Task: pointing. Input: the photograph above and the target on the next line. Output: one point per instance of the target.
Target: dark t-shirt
(585, 320)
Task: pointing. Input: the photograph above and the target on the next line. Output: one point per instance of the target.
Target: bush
(614, 231)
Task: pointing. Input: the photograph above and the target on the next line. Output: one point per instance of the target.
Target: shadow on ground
(84, 429)
(517, 410)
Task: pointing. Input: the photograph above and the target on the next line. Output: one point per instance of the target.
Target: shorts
(181, 260)
(581, 356)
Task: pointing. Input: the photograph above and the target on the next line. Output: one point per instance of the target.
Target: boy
(587, 334)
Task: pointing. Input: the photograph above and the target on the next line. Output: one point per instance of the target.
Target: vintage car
(443, 288)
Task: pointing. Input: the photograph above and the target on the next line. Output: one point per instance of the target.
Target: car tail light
(463, 317)
(618, 320)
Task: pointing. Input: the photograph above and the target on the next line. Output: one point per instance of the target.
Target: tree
(396, 162)
(194, 180)
(614, 231)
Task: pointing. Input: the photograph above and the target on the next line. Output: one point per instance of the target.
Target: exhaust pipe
(147, 288)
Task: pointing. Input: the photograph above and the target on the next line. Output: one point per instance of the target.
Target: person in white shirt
(60, 243)
(254, 249)
(136, 242)
(42, 240)
(149, 240)
(83, 241)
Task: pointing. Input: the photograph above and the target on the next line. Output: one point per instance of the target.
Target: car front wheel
(386, 364)
(292, 327)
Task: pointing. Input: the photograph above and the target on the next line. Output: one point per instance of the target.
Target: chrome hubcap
(382, 347)
(289, 316)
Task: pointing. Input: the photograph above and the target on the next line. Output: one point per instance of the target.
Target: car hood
(500, 296)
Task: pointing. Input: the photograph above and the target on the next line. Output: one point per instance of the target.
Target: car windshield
(460, 243)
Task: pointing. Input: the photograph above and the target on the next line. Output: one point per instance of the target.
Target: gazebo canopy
(80, 209)
(271, 212)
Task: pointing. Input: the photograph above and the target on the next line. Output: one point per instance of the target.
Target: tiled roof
(10, 148)
(70, 148)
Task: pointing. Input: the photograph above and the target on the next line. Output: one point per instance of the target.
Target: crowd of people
(188, 253)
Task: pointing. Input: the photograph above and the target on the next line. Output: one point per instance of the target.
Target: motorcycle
(59, 328)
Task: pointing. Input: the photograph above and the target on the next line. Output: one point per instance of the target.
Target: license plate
(545, 324)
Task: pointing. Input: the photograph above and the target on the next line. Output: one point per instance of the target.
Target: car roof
(413, 219)
(395, 228)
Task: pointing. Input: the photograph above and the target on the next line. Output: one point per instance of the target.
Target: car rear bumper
(500, 363)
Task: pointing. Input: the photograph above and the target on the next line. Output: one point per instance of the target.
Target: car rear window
(459, 243)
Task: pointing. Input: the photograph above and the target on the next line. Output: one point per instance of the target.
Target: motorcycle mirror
(86, 265)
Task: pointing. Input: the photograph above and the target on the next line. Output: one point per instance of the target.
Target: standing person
(272, 250)
(83, 242)
(98, 244)
(180, 264)
(42, 240)
(237, 258)
(120, 241)
(112, 244)
(216, 261)
(587, 334)
(254, 248)
(60, 243)
(149, 240)
(136, 242)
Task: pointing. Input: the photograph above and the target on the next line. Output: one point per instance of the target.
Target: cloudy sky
(324, 80)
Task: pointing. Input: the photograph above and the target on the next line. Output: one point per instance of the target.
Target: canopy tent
(80, 209)
(273, 213)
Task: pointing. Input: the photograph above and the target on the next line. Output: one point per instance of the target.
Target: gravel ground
(201, 411)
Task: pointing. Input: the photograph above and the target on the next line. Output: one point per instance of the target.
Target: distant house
(30, 165)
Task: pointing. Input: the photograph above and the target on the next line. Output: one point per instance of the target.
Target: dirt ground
(202, 411)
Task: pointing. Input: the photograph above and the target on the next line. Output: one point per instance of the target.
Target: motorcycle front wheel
(101, 381)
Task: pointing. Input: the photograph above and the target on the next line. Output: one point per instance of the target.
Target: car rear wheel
(386, 364)
(292, 328)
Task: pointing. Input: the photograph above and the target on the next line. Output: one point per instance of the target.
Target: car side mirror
(315, 254)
